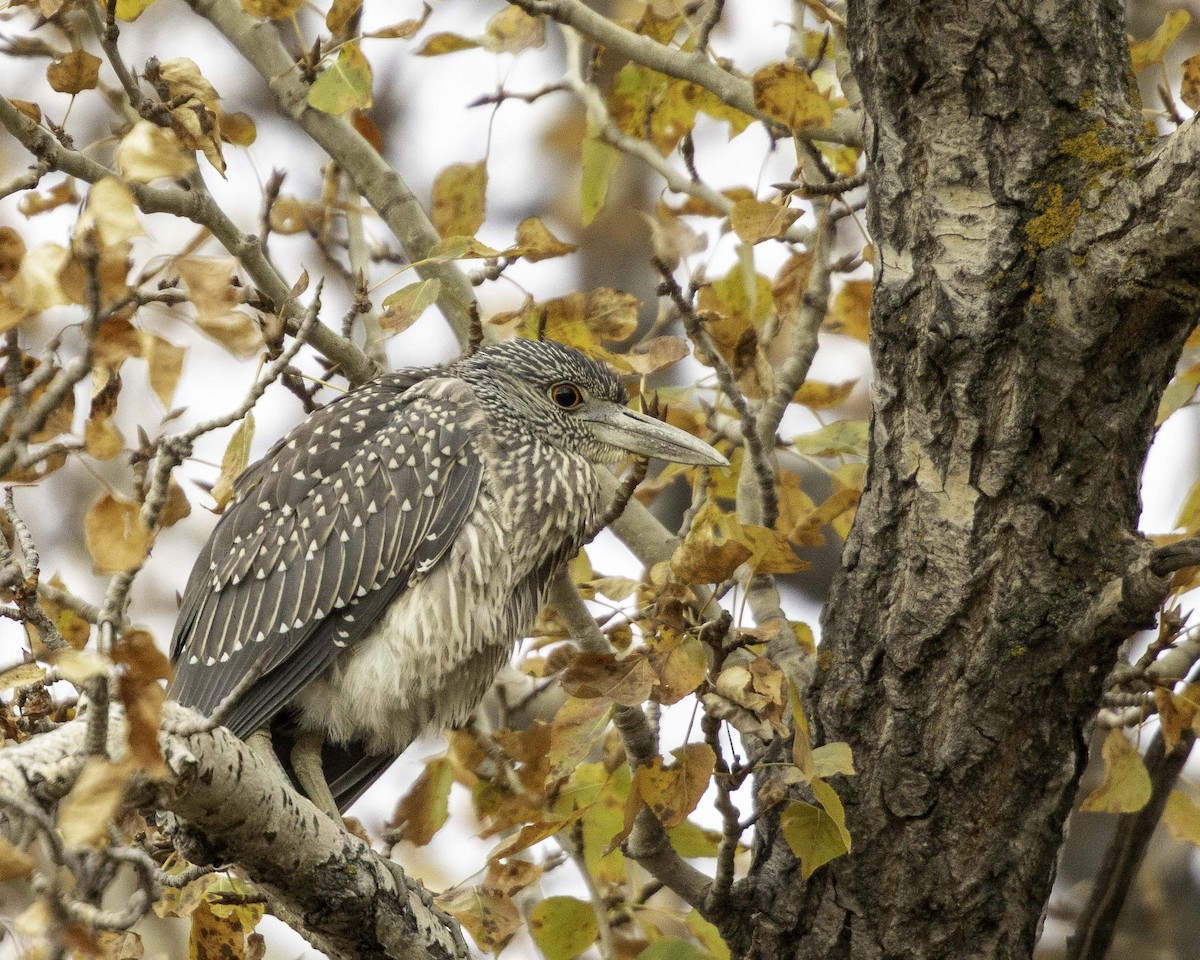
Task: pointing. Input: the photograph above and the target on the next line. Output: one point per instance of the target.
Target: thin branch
(199, 207)
(695, 67)
(382, 187)
(1094, 930)
(1175, 556)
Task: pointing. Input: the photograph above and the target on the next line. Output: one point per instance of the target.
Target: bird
(372, 573)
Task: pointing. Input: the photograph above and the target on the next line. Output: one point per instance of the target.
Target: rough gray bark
(1039, 271)
(345, 899)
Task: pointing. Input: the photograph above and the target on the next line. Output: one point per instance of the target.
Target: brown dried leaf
(12, 250)
(402, 308)
(101, 438)
(627, 680)
(116, 537)
(1189, 87)
(507, 877)
(32, 202)
(111, 212)
(183, 79)
(14, 863)
(214, 296)
(438, 44)
(340, 13)
(74, 72)
(851, 310)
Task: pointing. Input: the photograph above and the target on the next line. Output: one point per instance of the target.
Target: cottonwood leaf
(489, 918)
(672, 792)
(234, 461)
(149, 152)
(130, 10)
(87, 810)
(272, 9)
(563, 927)
(535, 241)
(402, 308)
(74, 72)
(834, 439)
(822, 396)
(850, 313)
(164, 365)
(213, 937)
(423, 810)
(439, 44)
(653, 354)
(340, 13)
(345, 84)
(692, 840)
(507, 877)
(577, 726)
(713, 549)
(1189, 86)
(707, 934)
(513, 30)
(404, 29)
(1150, 51)
(460, 199)
(1125, 787)
(599, 161)
(1178, 394)
(626, 680)
(116, 537)
(757, 220)
(1182, 818)
(788, 94)
(816, 835)
(672, 948)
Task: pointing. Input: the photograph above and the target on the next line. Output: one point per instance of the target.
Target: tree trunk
(1037, 276)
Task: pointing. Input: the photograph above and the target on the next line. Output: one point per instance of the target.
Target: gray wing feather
(336, 520)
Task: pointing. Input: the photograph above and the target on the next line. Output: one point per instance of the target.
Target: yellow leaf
(21, 675)
(438, 44)
(835, 439)
(672, 792)
(214, 295)
(577, 726)
(183, 79)
(85, 813)
(423, 810)
(460, 199)
(563, 927)
(116, 537)
(513, 30)
(786, 93)
(110, 212)
(74, 72)
(1189, 87)
(130, 10)
(33, 203)
(489, 918)
(237, 456)
(273, 9)
(403, 30)
(713, 549)
(402, 308)
(816, 835)
(653, 354)
(164, 364)
(708, 935)
(1144, 53)
(78, 666)
(851, 310)
(213, 937)
(833, 758)
(345, 85)
(822, 396)
(14, 863)
(1189, 513)
(149, 151)
(1182, 818)
(599, 161)
(535, 241)
(1178, 394)
(1126, 784)
(757, 220)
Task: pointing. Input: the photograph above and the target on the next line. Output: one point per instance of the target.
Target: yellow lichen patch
(1088, 149)
(1056, 221)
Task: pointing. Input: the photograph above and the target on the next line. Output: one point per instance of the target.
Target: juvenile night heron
(375, 568)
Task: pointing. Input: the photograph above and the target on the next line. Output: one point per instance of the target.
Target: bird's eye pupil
(566, 395)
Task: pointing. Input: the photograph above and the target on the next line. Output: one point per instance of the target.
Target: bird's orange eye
(566, 395)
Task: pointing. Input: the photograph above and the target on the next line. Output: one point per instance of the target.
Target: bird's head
(558, 395)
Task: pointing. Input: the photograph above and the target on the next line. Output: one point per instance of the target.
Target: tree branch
(382, 187)
(351, 901)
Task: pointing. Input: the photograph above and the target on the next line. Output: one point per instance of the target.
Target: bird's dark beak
(629, 430)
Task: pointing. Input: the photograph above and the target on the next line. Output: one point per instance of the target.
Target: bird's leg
(306, 764)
